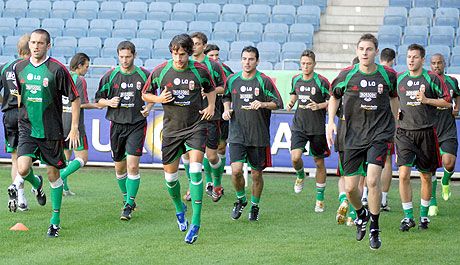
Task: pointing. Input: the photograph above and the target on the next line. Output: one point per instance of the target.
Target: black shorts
(223, 130)
(213, 134)
(127, 139)
(173, 147)
(50, 152)
(318, 144)
(257, 157)
(10, 126)
(448, 146)
(418, 148)
(355, 161)
(83, 144)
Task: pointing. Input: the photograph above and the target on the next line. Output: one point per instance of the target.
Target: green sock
(122, 184)
(216, 172)
(66, 186)
(433, 201)
(174, 192)
(196, 194)
(56, 201)
(32, 179)
(352, 211)
(423, 211)
(207, 170)
(223, 160)
(73, 166)
(132, 186)
(187, 170)
(409, 213)
(255, 200)
(241, 195)
(342, 197)
(446, 177)
(300, 174)
(320, 187)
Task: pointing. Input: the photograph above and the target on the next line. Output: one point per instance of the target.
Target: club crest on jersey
(256, 91)
(313, 90)
(191, 85)
(65, 100)
(10, 76)
(138, 85)
(45, 82)
(380, 88)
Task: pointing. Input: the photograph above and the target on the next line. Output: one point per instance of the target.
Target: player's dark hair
(43, 32)
(211, 47)
(387, 54)
(369, 37)
(201, 36)
(355, 60)
(251, 49)
(183, 41)
(417, 47)
(78, 59)
(310, 54)
(126, 45)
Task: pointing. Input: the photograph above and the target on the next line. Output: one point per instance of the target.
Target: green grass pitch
(288, 232)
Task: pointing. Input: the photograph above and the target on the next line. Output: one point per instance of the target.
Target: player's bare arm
(317, 106)
(333, 105)
(112, 103)
(164, 97)
(146, 109)
(292, 101)
(208, 112)
(227, 115)
(74, 135)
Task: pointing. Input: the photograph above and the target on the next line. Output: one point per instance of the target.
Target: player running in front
(178, 84)
(311, 91)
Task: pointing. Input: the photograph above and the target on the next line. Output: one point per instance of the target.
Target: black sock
(374, 222)
(361, 212)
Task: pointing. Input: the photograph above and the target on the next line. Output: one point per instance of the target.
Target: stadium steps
(341, 26)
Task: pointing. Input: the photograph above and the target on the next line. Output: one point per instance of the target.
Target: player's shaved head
(23, 46)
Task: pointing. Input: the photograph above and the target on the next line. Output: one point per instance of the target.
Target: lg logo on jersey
(126, 85)
(412, 83)
(365, 83)
(31, 77)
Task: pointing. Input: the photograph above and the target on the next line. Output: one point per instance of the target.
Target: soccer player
(420, 92)
(365, 89)
(120, 90)
(249, 98)
(213, 51)
(178, 84)
(446, 131)
(10, 114)
(42, 82)
(78, 68)
(311, 91)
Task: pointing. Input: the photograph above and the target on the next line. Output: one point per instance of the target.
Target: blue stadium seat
(303, 33)
(135, 10)
(275, 32)
(6, 59)
(90, 45)
(283, 14)
(442, 49)
(220, 2)
(150, 29)
(201, 26)
(292, 50)
(101, 28)
(269, 51)
(63, 9)
(453, 70)
(233, 13)
(7, 26)
(208, 12)
(321, 3)
(395, 15)
(150, 64)
(110, 10)
(110, 47)
(91, 87)
(259, 13)
(15, 8)
(125, 28)
(443, 35)
(184, 12)
(64, 46)
(54, 26)
(390, 34)
(265, 2)
(159, 11)
(224, 47)
(39, 9)
(26, 25)
(286, 66)
(191, 1)
(86, 9)
(172, 28)
(455, 58)
(242, 2)
(446, 16)
(236, 48)
(235, 65)
(295, 3)
(265, 65)
(144, 47)
(161, 49)
(170, 1)
(309, 15)
(449, 3)
(102, 61)
(384, 45)
(404, 3)
(250, 31)
(399, 68)
(10, 46)
(76, 27)
(420, 16)
(225, 31)
(433, 4)
(416, 34)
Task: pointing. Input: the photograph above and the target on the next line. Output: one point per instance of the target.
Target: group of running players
(206, 106)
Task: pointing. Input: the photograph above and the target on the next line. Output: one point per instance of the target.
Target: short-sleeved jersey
(247, 126)
(181, 115)
(80, 83)
(366, 105)
(128, 87)
(8, 85)
(413, 114)
(219, 78)
(446, 127)
(41, 88)
(315, 89)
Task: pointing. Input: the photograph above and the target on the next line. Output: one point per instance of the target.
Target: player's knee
(23, 171)
(195, 167)
(319, 162)
(449, 164)
(256, 175)
(171, 177)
